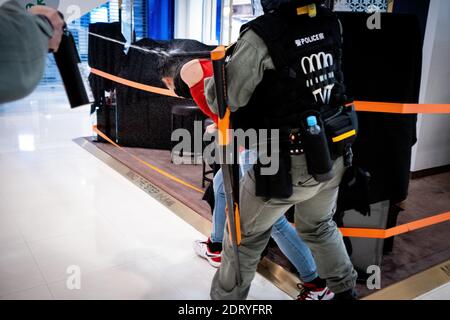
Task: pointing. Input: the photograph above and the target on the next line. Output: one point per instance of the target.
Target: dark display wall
(419, 8)
(384, 66)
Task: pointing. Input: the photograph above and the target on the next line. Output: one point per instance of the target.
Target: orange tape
(403, 108)
(237, 218)
(364, 106)
(230, 237)
(218, 53)
(346, 232)
(224, 129)
(388, 233)
(136, 85)
(154, 168)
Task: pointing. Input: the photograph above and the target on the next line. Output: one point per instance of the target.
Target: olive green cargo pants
(315, 205)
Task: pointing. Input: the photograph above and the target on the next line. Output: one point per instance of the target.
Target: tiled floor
(441, 293)
(63, 211)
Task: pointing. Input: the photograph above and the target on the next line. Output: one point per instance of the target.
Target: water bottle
(313, 128)
(317, 152)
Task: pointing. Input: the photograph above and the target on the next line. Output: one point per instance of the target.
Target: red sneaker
(309, 291)
(202, 249)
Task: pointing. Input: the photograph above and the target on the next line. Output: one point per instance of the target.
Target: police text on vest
(310, 39)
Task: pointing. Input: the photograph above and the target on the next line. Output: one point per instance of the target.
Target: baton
(232, 210)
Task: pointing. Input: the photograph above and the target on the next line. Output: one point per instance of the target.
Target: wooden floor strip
(416, 285)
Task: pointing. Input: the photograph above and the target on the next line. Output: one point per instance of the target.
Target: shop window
(108, 12)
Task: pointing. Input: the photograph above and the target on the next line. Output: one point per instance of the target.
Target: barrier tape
(388, 233)
(154, 168)
(133, 84)
(402, 108)
(359, 105)
(362, 106)
(346, 232)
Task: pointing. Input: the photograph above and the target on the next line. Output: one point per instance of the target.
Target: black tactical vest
(283, 95)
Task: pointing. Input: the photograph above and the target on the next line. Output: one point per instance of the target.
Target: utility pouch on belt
(341, 130)
(278, 185)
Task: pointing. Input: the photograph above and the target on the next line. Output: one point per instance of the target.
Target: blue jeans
(283, 232)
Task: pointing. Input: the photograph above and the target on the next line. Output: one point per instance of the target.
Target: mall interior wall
(433, 146)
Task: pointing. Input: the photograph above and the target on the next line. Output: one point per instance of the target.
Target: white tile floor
(441, 293)
(62, 207)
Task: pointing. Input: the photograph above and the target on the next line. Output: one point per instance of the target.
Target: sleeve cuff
(45, 25)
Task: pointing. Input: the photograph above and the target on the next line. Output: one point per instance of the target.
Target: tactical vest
(294, 41)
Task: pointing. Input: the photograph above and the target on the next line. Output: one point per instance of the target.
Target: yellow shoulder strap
(310, 10)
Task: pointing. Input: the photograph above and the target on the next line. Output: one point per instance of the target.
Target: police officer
(286, 67)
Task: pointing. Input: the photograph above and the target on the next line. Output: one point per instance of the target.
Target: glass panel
(242, 11)
(226, 22)
(108, 12)
(199, 20)
(209, 22)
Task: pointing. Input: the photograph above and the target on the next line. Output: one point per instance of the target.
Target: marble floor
(73, 228)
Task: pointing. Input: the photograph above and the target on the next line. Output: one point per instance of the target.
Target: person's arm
(24, 44)
(193, 73)
(245, 71)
